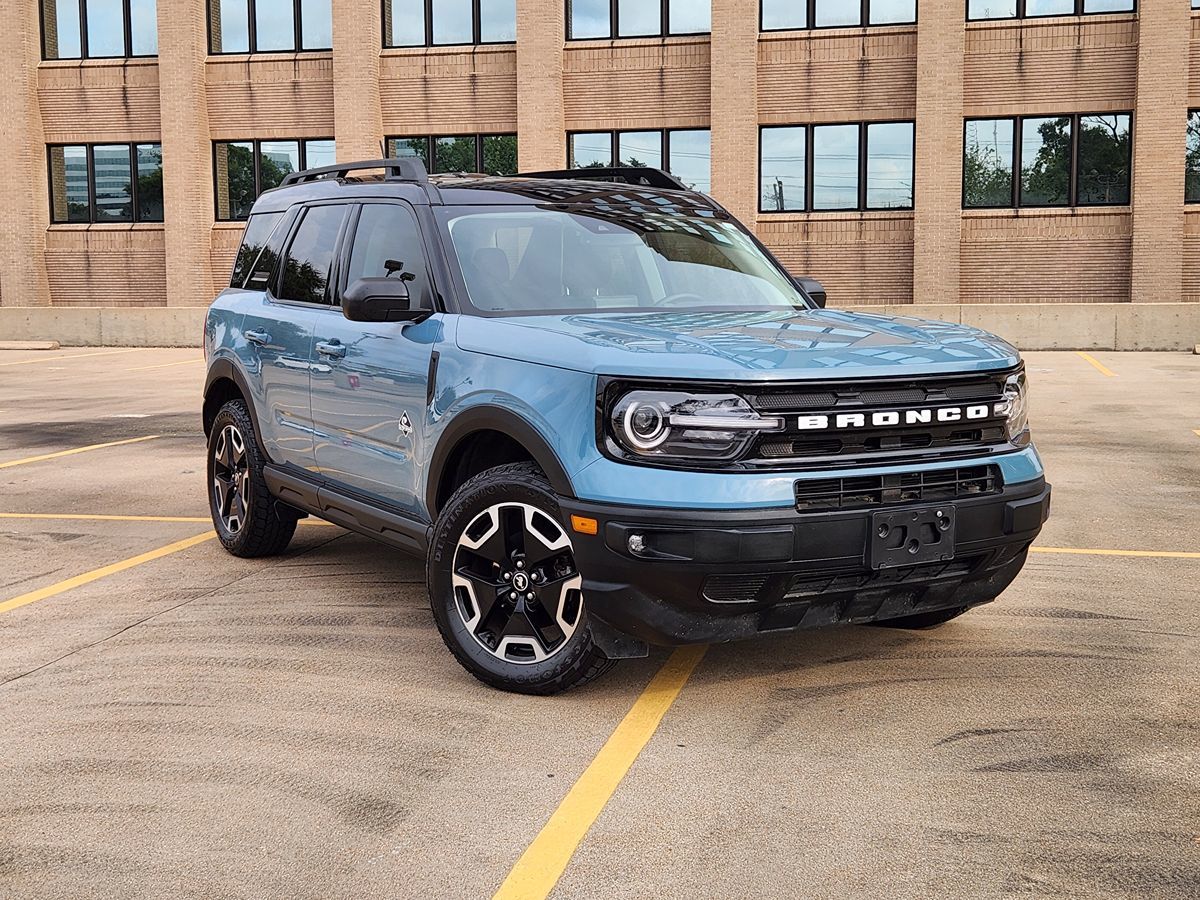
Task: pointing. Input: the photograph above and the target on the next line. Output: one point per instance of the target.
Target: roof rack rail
(397, 169)
(637, 175)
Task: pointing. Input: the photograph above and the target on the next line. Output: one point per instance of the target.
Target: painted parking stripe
(1103, 369)
(87, 449)
(46, 359)
(98, 517)
(54, 590)
(542, 864)
(1147, 554)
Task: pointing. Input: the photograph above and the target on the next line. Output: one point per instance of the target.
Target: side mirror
(814, 289)
(380, 300)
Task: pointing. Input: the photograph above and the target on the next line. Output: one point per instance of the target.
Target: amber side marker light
(584, 525)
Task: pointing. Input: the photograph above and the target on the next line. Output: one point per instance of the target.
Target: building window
(99, 29)
(433, 23)
(602, 19)
(1192, 164)
(792, 15)
(684, 152)
(102, 183)
(1032, 161)
(819, 168)
(269, 26)
(493, 154)
(1037, 9)
(244, 169)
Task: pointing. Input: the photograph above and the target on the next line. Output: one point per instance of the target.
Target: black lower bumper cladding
(696, 576)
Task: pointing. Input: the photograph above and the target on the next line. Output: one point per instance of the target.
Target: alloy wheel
(231, 479)
(515, 584)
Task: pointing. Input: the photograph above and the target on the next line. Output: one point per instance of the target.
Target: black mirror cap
(380, 300)
(814, 289)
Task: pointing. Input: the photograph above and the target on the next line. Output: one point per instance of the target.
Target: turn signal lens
(584, 525)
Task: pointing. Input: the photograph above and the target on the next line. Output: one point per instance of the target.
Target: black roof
(629, 190)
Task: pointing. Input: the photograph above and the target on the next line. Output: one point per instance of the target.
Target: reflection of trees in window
(1104, 154)
(988, 163)
(1192, 163)
(244, 169)
(1046, 177)
(492, 154)
(99, 183)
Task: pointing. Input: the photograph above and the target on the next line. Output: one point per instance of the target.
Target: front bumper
(722, 575)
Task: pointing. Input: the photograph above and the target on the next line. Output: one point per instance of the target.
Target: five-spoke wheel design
(231, 479)
(515, 583)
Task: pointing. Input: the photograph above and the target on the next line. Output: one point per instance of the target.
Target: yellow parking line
(26, 362)
(103, 572)
(184, 362)
(99, 517)
(1150, 554)
(45, 456)
(1196, 432)
(542, 864)
(1104, 370)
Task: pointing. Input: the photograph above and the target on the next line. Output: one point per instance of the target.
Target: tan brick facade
(734, 82)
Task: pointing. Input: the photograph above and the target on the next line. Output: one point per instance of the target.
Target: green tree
(1045, 180)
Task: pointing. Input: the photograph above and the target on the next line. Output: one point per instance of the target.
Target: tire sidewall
(233, 413)
(472, 499)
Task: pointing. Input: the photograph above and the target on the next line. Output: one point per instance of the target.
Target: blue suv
(605, 415)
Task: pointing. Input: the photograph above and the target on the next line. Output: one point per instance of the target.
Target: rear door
(278, 329)
(369, 379)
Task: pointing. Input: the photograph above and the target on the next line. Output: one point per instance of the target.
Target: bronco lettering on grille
(842, 421)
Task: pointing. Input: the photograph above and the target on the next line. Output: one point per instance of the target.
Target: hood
(737, 346)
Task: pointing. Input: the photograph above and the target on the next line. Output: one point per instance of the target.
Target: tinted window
(992, 9)
(143, 16)
(61, 27)
(690, 16)
(782, 14)
(691, 158)
(500, 154)
(835, 167)
(638, 17)
(229, 26)
(310, 257)
(319, 153)
(591, 150)
(1192, 165)
(387, 243)
(1104, 153)
(150, 182)
(890, 165)
(640, 148)
(783, 171)
(497, 21)
(830, 13)
(399, 148)
(1045, 161)
(886, 12)
(114, 183)
(106, 28)
(454, 154)
(988, 163)
(404, 22)
(277, 160)
(1049, 7)
(254, 239)
(235, 180)
(589, 18)
(70, 185)
(452, 22)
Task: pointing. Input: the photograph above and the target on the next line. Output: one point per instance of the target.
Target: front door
(369, 379)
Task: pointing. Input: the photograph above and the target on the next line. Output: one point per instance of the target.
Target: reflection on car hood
(771, 345)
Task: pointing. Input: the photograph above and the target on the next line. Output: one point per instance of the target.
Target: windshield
(549, 260)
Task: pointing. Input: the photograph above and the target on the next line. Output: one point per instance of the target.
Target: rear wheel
(924, 620)
(249, 521)
(504, 589)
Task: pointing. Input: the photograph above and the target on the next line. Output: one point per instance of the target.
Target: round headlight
(645, 425)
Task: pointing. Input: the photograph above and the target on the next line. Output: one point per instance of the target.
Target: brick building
(1021, 163)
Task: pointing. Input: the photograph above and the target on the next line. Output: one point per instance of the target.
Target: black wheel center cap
(521, 581)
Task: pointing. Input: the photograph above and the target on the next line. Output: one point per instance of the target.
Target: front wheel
(504, 589)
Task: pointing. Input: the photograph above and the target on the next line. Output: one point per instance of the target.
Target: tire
(924, 620)
(503, 529)
(249, 521)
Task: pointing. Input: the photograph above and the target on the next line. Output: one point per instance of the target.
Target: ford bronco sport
(606, 416)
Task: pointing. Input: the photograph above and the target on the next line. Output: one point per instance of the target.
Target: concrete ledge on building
(1030, 326)
(92, 326)
(1070, 326)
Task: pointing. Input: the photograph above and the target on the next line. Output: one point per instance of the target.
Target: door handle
(334, 349)
(257, 337)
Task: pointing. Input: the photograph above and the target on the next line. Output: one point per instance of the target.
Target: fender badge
(405, 424)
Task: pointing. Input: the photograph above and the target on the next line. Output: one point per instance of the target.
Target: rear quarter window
(255, 240)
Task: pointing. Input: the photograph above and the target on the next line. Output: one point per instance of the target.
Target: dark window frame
(809, 130)
(257, 152)
(614, 138)
(476, 30)
(810, 18)
(614, 29)
(135, 217)
(431, 144)
(1073, 166)
(127, 22)
(252, 32)
(1022, 6)
(1192, 111)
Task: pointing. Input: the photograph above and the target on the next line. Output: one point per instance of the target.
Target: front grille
(904, 487)
(841, 441)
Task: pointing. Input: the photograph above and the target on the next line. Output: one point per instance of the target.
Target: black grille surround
(921, 486)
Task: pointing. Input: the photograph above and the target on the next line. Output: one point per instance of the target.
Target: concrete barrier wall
(1050, 326)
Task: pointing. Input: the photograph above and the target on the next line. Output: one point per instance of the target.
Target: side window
(387, 243)
(254, 241)
(309, 259)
